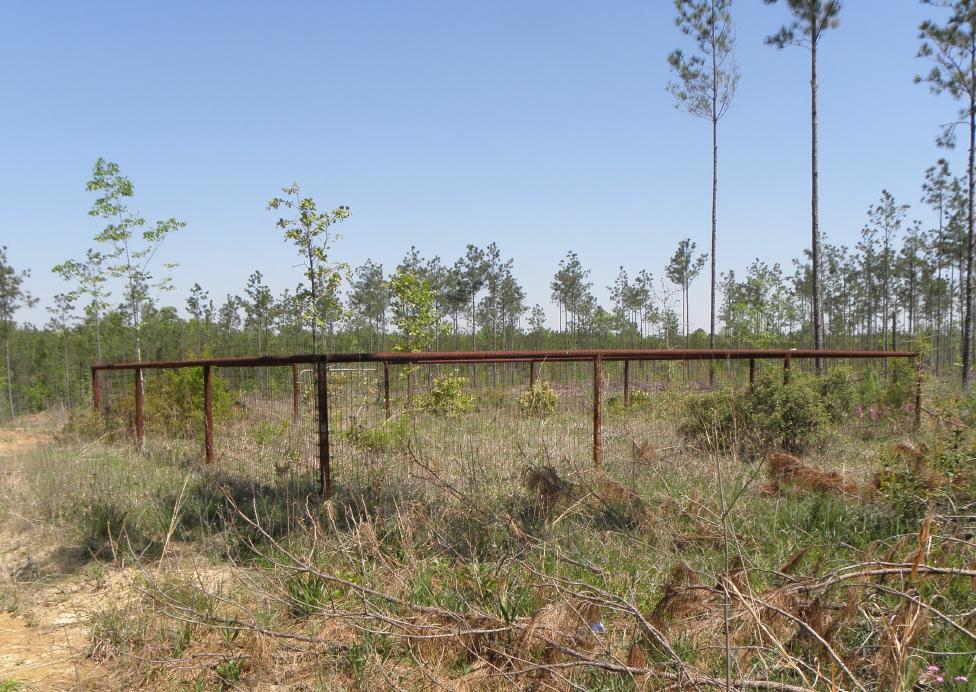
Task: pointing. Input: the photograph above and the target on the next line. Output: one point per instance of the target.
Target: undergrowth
(478, 571)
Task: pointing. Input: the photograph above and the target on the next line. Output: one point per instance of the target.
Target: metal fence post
(325, 461)
(752, 372)
(531, 374)
(786, 370)
(626, 384)
(295, 391)
(208, 415)
(139, 416)
(597, 413)
(96, 390)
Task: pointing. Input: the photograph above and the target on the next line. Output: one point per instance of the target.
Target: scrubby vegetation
(447, 397)
(683, 561)
(540, 399)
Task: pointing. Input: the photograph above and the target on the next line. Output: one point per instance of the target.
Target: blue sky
(543, 126)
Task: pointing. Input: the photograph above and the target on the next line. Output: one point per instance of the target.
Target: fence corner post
(208, 444)
(597, 413)
(325, 461)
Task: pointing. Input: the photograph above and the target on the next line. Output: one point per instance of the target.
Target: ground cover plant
(483, 550)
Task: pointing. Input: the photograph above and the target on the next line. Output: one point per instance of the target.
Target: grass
(482, 549)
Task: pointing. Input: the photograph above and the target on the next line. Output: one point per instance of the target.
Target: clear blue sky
(543, 126)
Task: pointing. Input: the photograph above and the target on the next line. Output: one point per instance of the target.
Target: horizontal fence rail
(319, 395)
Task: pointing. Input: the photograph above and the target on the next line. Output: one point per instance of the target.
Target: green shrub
(839, 395)
(447, 397)
(540, 399)
(870, 389)
(914, 481)
(640, 398)
(174, 401)
(770, 415)
(711, 419)
(390, 436)
(900, 388)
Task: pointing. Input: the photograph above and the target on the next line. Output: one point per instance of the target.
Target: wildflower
(960, 678)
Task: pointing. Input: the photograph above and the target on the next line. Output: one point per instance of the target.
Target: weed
(307, 594)
(447, 397)
(540, 400)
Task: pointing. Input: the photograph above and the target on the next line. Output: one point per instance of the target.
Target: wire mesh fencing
(462, 421)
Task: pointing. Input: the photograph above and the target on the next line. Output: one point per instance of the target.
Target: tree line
(909, 276)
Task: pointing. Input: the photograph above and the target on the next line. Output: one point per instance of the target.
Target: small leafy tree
(413, 306)
(89, 275)
(684, 268)
(13, 297)
(132, 246)
(310, 230)
(62, 313)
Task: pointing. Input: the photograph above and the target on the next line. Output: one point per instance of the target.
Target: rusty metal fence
(292, 417)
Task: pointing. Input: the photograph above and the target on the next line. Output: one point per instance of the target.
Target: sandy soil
(46, 591)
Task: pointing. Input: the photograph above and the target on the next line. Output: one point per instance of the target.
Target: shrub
(447, 397)
(390, 436)
(839, 395)
(870, 388)
(917, 480)
(770, 415)
(174, 401)
(900, 388)
(712, 418)
(540, 399)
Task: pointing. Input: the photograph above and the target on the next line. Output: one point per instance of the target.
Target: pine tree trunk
(968, 313)
(67, 373)
(98, 336)
(10, 384)
(715, 115)
(818, 337)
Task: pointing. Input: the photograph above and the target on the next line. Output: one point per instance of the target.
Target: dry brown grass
(787, 471)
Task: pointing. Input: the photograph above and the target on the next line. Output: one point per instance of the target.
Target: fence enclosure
(293, 395)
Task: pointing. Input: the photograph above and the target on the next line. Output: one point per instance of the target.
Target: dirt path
(43, 595)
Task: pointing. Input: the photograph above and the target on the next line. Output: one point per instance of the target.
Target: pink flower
(960, 678)
(933, 669)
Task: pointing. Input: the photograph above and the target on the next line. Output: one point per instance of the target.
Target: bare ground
(45, 590)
